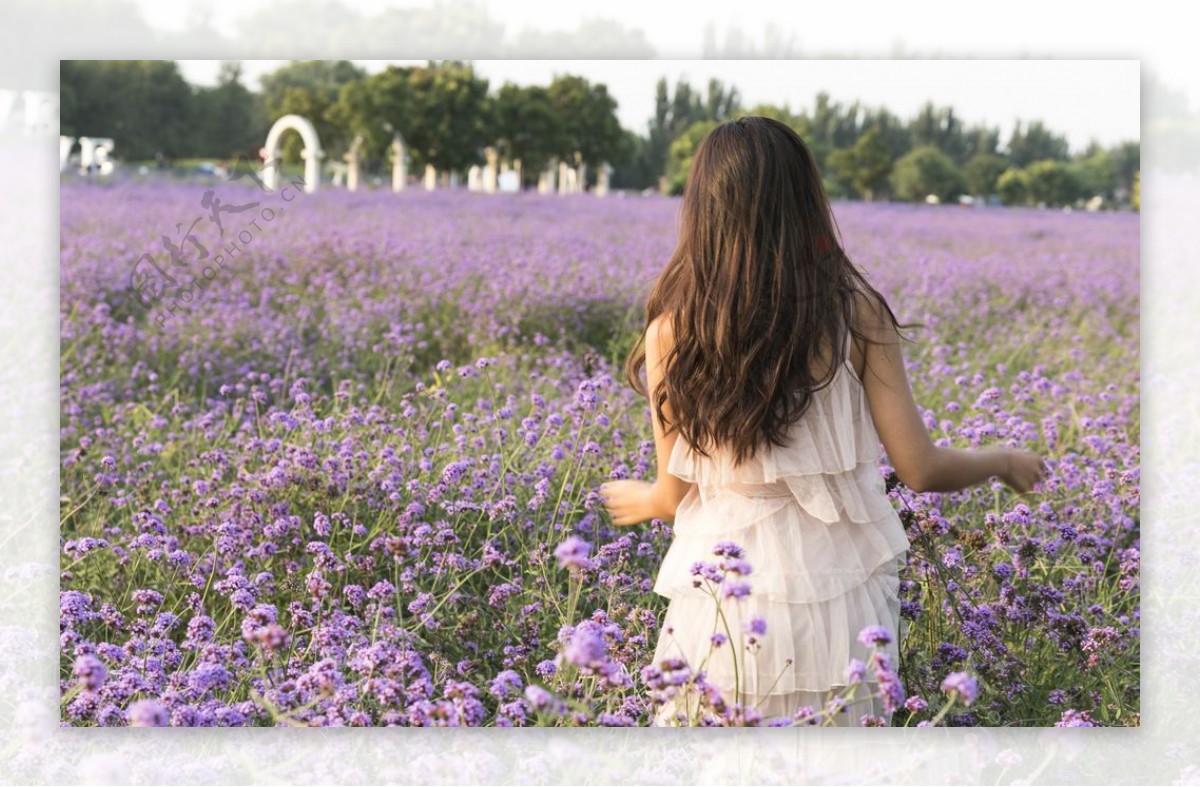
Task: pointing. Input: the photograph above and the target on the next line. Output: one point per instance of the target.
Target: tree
(1135, 193)
(865, 165)
(1096, 173)
(1035, 143)
(451, 120)
(982, 172)
(1052, 182)
(1127, 161)
(941, 129)
(830, 126)
(310, 88)
(683, 149)
(231, 120)
(528, 127)
(632, 169)
(146, 106)
(927, 170)
(893, 132)
(376, 108)
(589, 120)
(1013, 187)
(981, 138)
(675, 112)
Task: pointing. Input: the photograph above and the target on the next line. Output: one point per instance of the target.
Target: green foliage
(675, 113)
(145, 106)
(1135, 194)
(449, 122)
(1096, 174)
(982, 172)
(982, 139)
(231, 120)
(938, 127)
(376, 108)
(865, 165)
(590, 129)
(1013, 186)
(927, 170)
(528, 127)
(1127, 159)
(632, 168)
(1052, 183)
(679, 159)
(1035, 143)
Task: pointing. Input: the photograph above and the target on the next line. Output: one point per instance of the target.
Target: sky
(1084, 100)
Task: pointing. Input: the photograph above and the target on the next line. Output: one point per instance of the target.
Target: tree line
(444, 111)
(447, 114)
(870, 153)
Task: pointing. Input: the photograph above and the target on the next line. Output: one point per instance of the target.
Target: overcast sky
(1082, 99)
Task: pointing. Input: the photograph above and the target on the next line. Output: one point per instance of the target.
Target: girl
(775, 370)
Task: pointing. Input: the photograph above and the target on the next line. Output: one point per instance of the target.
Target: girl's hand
(628, 501)
(1022, 469)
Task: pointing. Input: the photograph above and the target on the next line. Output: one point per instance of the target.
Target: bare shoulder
(871, 317)
(660, 334)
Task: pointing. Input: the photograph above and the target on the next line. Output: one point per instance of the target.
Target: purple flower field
(349, 479)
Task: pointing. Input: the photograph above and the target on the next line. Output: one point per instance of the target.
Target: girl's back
(824, 546)
(768, 440)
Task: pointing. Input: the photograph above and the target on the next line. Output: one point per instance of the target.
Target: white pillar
(64, 151)
(94, 151)
(399, 164)
(474, 178)
(564, 174)
(602, 176)
(430, 178)
(339, 173)
(352, 164)
(489, 171)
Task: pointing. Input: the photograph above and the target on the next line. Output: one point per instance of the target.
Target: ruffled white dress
(825, 546)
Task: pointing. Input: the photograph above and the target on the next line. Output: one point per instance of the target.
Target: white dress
(825, 546)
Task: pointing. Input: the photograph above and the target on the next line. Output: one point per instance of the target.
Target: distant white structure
(602, 176)
(339, 173)
(510, 182)
(352, 163)
(547, 179)
(475, 178)
(399, 164)
(312, 153)
(65, 144)
(489, 170)
(430, 178)
(93, 152)
(566, 178)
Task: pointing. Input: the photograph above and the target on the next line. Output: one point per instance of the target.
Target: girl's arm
(921, 465)
(630, 501)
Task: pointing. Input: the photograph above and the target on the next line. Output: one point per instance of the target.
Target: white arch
(312, 153)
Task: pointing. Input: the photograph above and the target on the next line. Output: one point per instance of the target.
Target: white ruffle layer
(793, 556)
(817, 638)
(825, 546)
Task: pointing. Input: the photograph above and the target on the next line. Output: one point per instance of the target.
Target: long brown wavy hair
(756, 286)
